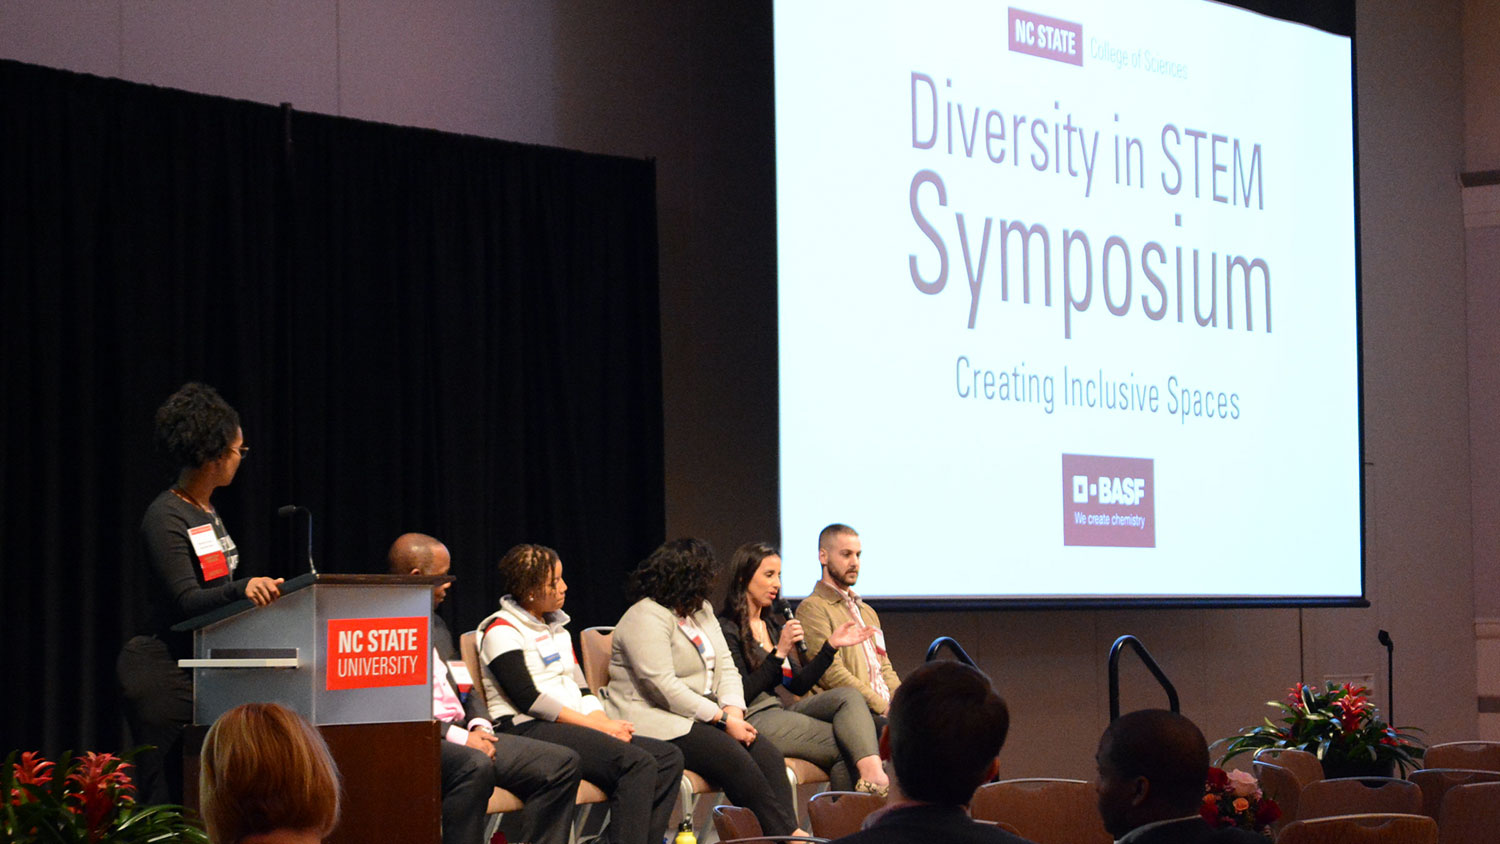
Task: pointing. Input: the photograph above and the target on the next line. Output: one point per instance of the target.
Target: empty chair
(1435, 783)
(1362, 829)
(1305, 766)
(733, 822)
(593, 646)
(1359, 795)
(1470, 814)
(1474, 755)
(1046, 811)
(1281, 785)
(835, 814)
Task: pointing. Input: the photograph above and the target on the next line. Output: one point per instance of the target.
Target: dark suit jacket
(925, 823)
(1196, 831)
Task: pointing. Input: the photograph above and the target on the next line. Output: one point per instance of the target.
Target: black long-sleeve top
(179, 589)
(767, 676)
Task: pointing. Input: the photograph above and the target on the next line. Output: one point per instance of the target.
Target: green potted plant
(1337, 724)
(84, 800)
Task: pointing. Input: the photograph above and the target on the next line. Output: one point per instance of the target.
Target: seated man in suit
(946, 728)
(474, 758)
(1152, 766)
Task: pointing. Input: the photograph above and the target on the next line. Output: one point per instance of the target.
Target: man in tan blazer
(865, 666)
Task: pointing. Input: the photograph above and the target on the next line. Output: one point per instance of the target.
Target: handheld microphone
(289, 510)
(785, 610)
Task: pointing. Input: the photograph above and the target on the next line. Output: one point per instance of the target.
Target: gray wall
(689, 84)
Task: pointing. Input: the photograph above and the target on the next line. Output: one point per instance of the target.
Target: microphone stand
(1390, 676)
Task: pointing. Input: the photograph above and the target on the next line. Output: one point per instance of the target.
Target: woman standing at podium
(190, 563)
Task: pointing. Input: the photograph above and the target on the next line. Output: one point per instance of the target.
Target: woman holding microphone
(832, 729)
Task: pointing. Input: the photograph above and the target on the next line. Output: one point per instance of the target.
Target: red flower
(1267, 812)
(31, 770)
(1294, 695)
(1217, 779)
(1209, 810)
(102, 783)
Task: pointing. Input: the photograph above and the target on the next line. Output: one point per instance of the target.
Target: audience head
(947, 724)
(677, 575)
(838, 554)
(418, 553)
(1152, 765)
(263, 769)
(195, 426)
(532, 576)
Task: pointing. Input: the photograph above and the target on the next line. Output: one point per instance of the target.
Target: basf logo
(1109, 501)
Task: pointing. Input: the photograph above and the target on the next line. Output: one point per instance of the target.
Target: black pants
(640, 776)
(753, 777)
(544, 775)
(158, 705)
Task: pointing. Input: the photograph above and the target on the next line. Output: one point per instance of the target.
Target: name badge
(210, 553)
(461, 675)
(880, 642)
(547, 649)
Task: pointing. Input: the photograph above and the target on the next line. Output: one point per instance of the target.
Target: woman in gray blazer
(672, 676)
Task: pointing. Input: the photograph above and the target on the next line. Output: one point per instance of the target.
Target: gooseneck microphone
(290, 510)
(785, 610)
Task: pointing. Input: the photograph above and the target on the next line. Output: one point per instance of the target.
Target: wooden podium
(353, 655)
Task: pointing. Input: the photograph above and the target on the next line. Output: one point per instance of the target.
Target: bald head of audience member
(418, 553)
(266, 776)
(1152, 765)
(946, 727)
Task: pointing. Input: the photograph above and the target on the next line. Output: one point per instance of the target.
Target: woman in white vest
(535, 689)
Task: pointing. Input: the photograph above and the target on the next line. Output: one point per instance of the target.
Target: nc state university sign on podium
(352, 654)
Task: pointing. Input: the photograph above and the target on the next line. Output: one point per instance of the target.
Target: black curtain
(421, 332)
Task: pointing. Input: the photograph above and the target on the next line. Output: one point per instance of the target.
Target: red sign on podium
(367, 653)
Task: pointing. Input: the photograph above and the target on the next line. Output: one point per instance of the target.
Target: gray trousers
(831, 729)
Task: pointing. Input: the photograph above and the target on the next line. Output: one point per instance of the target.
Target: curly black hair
(195, 425)
(526, 570)
(677, 575)
(736, 607)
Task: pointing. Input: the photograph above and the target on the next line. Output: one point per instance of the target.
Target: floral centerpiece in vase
(1339, 725)
(1234, 799)
(81, 800)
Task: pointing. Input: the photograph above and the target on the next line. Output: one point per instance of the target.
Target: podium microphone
(1390, 677)
(292, 509)
(781, 606)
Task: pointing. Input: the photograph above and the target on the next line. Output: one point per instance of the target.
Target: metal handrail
(950, 643)
(1114, 674)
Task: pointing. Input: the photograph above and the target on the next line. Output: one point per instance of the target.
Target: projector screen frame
(1337, 18)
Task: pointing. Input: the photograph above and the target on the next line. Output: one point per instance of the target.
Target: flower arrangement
(82, 800)
(1234, 799)
(1339, 725)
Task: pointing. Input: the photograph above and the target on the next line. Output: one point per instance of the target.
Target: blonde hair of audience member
(266, 778)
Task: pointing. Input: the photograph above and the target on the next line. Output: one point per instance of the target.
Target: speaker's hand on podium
(263, 590)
